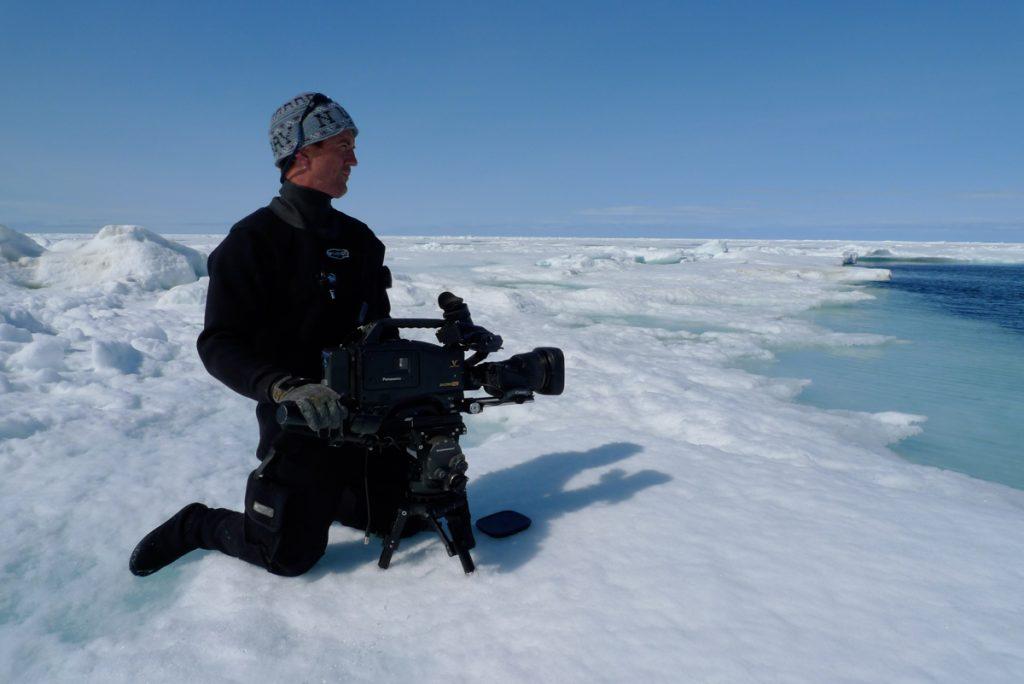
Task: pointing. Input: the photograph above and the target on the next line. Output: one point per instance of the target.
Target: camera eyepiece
(455, 308)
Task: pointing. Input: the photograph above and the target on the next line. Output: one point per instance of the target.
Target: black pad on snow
(502, 524)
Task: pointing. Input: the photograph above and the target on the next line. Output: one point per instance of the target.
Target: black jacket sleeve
(232, 345)
(379, 303)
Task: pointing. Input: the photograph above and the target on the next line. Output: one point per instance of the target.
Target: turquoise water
(959, 360)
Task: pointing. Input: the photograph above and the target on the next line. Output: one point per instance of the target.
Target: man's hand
(318, 403)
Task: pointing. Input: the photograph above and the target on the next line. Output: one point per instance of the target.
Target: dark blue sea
(958, 359)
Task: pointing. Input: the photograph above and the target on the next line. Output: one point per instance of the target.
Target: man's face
(330, 164)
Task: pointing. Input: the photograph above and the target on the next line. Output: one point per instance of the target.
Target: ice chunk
(44, 351)
(22, 318)
(12, 333)
(712, 248)
(192, 294)
(152, 331)
(44, 375)
(15, 245)
(123, 253)
(74, 334)
(19, 427)
(569, 263)
(119, 356)
(161, 350)
(661, 257)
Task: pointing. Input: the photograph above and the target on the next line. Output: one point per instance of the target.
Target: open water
(959, 360)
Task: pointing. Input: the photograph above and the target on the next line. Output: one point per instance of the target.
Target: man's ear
(299, 165)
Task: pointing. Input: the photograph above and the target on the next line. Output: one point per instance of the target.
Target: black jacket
(289, 280)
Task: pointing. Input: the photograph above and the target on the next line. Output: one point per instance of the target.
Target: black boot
(169, 542)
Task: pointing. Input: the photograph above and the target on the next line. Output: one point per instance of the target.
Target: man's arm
(379, 305)
(234, 343)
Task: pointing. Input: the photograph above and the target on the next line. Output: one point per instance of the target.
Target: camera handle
(475, 405)
(375, 330)
(450, 333)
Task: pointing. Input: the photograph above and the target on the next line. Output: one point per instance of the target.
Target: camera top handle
(455, 332)
(374, 330)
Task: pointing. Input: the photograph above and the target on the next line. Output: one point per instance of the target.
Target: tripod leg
(468, 566)
(460, 525)
(454, 546)
(462, 536)
(391, 541)
(444, 537)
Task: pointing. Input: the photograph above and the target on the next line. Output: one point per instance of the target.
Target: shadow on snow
(536, 488)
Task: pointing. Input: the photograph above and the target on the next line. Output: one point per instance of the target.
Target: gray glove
(318, 403)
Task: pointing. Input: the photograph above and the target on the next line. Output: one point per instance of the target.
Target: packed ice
(691, 521)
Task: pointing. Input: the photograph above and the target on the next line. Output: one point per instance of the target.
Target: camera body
(376, 380)
(389, 386)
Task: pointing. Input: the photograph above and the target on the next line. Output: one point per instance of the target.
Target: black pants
(294, 496)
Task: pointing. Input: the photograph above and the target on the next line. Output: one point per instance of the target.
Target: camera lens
(552, 361)
(542, 370)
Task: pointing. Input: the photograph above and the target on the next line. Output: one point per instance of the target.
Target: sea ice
(691, 522)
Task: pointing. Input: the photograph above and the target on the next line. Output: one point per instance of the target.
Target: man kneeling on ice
(289, 280)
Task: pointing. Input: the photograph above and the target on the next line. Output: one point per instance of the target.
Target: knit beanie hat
(303, 120)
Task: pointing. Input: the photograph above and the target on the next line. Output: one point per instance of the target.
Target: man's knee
(293, 567)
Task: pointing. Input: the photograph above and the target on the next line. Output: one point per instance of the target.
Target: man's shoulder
(263, 226)
(266, 228)
(363, 231)
(261, 232)
(261, 220)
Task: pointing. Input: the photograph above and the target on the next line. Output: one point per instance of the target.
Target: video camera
(411, 394)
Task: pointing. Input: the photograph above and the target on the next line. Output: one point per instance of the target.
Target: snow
(129, 254)
(691, 522)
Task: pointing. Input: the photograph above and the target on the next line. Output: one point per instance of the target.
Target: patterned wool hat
(303, 120)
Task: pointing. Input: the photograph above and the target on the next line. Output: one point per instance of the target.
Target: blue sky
(858, 120)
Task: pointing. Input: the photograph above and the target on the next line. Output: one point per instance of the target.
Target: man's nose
(352, 161)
